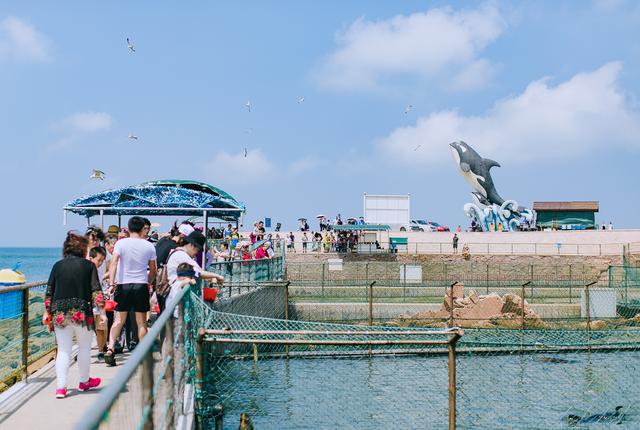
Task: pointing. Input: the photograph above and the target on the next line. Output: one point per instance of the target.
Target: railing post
(322, 285)
(147, 391)
(523, 287)
(570, 282)
(169, 351)
(25, 334)
(199, 368)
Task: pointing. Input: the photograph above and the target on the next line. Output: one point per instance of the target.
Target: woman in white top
(194, 244)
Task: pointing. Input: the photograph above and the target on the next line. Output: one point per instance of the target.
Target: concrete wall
(266, 302)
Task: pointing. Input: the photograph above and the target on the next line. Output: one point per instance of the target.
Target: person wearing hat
(194, 244)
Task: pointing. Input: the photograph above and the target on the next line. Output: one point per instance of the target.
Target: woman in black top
(72, 288)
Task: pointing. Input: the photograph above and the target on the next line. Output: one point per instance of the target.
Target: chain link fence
(23, 338)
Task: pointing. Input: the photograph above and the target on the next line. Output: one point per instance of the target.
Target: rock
(473, 297)
(489, 307)
(458, 291)
(598, 325)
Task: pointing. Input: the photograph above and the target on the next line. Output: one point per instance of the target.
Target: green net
(505, 378)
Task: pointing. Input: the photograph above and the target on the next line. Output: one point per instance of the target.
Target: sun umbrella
(302, 219)
(320, 216)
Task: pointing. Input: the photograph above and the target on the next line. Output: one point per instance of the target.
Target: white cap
(185, 229)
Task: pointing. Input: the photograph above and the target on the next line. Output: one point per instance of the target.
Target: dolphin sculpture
(475, 170)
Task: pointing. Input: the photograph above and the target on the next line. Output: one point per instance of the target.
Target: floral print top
(71, 291)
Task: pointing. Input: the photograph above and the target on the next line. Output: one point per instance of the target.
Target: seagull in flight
(248, 130)
(133, 136)
(408, 109)
(130, 45)
(248, 105)
(245, 152)
(417, 147)
(97, 174)
(300, 100)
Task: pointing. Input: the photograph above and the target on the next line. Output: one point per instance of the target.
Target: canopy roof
(167, 197)
(587, 206)
(370, 227)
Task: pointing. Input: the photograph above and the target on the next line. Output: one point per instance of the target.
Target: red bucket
(209, 294)
(110, 305)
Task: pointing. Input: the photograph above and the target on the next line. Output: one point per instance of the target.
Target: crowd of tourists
(106, 283)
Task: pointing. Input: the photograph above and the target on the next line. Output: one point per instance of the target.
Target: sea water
(493, 391)
(35, 263)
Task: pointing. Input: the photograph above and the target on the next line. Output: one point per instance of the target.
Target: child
(186, 276)
(97, 256)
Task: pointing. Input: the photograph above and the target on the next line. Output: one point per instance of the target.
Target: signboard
(393, 210)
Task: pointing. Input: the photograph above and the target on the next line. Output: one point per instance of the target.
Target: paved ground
(34, 406)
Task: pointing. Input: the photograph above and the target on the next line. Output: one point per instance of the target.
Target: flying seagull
(408, 108)
(417, 147)
(245, 152)
(130, 45)
(248, 130)
(97, 174)
(133, 136)
(300, 100)
(248, 105)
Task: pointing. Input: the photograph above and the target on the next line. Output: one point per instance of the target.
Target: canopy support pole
(102, 219)
(64, 217)
(119, 221)
(204, 250)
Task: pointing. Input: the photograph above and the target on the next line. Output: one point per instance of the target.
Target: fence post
(523, 287)
(25, 334)
(147, 390)
(199, 368)
(451, 304)
(404, 285)
(570, 281)
(286, 311)
(588, 309)
(452, 381)
(322, 285)
(487, 279)
(371, 302)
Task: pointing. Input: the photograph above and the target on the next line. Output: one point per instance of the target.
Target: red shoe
(91, 383)
(61, 393)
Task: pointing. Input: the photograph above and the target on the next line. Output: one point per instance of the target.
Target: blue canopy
(170, 197)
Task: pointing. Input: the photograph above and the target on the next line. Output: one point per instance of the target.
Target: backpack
(162, 278)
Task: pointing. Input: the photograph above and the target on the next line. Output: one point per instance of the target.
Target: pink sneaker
(61, 393)
(91, 383)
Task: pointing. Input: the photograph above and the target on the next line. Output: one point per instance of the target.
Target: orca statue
(475, 170)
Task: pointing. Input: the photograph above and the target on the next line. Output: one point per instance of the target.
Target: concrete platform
(33, 405)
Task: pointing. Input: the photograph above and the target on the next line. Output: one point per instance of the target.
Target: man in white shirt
(132, 269)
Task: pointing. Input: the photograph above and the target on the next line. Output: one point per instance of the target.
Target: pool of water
(516, 391)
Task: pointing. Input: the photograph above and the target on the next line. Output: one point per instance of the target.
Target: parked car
(437, 227)
(418, 225)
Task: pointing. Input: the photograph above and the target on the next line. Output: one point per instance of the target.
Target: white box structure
(602, 303)
(393, 210)
(410, 274)
(335, 264)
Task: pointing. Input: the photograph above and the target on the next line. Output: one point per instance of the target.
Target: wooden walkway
(33, 405)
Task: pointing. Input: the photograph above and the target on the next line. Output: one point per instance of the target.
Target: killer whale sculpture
(488, 208)
(608, 417)
(476, 171)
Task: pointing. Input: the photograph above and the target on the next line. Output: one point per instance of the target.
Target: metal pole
(205, 223)
(199, 367)
(102, 219)
(523, 287)
(570, 281)
(404, 285)
(169, 375)
(147, 390)
(451, 303)
(25, 333)
(487, 278)
(371, 302)
(588, 309)
(119, 221)
(322, 287)
(286, 311)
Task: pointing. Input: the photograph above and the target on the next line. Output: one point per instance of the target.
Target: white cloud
(20, 41)
(236, 169)
(424, 44)
(304, 165)
(585, 113)
(87, 122)
(76, 125)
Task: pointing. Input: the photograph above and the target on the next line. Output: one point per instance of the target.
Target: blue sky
(548, 89)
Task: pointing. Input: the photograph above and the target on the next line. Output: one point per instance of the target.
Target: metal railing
(23, 338)
(515, 248)
(249, 271)
(154, 388)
